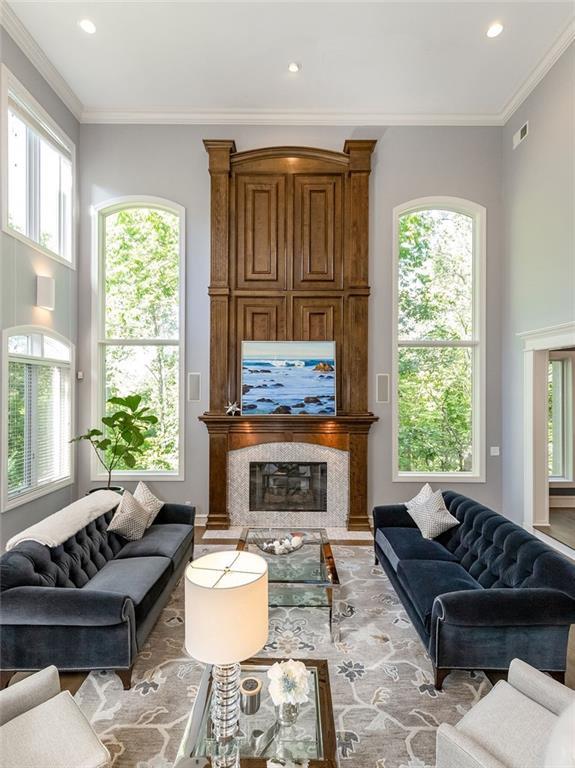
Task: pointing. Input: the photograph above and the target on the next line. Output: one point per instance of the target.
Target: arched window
(139, 319)
(438, 372)
(38, 413)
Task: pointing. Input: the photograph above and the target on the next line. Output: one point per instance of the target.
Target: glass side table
(311, 738)
(306, 578)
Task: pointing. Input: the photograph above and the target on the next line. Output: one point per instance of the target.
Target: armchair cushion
(424, 580)
(28, 693)
(142, 579)
(168, 540)
(510, 726)
(456, 750)
(55, 733)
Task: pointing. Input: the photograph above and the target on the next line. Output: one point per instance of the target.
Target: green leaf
(104, 444)
(129, 460)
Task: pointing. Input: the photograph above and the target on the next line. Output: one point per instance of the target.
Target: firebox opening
(288, 486)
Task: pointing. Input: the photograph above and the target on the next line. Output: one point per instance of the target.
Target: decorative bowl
(283, 544)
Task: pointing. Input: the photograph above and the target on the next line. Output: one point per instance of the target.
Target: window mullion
(31, 426)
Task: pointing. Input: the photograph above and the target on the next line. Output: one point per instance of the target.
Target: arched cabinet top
(224, 158)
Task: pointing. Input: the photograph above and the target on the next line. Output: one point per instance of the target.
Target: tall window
(39, 172)
(38, 412)
(438, 366)
(140, 321)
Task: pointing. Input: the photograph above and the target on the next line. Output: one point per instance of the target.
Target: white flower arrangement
(289, 682)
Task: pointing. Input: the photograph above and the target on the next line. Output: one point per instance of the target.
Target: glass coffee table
(306, 578)
(310, 741)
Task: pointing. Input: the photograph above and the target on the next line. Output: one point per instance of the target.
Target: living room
(287, 294)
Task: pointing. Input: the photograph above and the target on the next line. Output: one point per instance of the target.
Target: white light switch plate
(494, 450)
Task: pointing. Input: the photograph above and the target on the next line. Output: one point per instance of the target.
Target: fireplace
(288, 486)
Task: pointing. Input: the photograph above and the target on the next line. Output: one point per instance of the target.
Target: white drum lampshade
(226, 607)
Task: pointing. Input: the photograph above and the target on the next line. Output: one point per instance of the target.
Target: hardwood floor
(561, 525)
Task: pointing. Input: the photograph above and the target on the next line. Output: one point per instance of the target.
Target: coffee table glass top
(260, 736)
(312, 564)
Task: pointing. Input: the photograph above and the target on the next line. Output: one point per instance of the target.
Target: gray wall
(19, 265)
(539, 178)
(170, 161)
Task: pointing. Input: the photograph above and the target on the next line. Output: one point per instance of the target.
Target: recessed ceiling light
(294, 66)
(88, 26)
(495, 29)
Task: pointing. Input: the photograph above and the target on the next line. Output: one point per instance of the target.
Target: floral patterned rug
(386, 709)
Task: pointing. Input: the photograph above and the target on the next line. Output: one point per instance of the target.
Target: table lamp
(226, 622)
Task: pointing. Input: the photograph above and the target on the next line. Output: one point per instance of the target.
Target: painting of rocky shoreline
(288, 377)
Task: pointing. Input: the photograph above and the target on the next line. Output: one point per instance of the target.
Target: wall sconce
(45, 292)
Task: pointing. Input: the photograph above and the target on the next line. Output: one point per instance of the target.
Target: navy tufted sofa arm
(505, 607)
(392, 516)
(183, 514)
(62, 606)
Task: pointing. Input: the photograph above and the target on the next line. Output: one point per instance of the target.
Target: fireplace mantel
(289, 262)
(348, 433)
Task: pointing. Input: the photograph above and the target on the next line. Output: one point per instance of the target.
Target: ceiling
(362, 63)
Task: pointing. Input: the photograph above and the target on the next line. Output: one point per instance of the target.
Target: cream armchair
(509, 728)
(43, 727)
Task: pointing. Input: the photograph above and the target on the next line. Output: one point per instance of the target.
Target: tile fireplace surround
(337, 485)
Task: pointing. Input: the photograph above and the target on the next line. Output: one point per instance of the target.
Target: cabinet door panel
(318, 216)
(260, 238)
(261, 319)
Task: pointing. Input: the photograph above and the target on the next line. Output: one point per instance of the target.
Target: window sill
(452, 477)
(37, 493)
(37, 247)
(136, 476)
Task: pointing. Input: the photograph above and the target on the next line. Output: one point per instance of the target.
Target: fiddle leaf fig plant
(123, 437)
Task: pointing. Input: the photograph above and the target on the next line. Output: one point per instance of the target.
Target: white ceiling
(366, 63)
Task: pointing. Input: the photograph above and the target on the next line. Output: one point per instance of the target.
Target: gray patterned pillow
(131, 518)
(432, 516)
(147, 499)
(423, 495)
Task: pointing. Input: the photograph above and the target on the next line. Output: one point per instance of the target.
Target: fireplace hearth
(291, 486)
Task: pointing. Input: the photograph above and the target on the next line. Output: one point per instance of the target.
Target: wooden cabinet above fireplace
(289, 261)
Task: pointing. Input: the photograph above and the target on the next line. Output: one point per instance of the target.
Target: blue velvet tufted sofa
(91, 602)
(481, 594)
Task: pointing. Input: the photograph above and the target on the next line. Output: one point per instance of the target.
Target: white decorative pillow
(147, 499)
(131, 518)
(432, 516)
(421, 497)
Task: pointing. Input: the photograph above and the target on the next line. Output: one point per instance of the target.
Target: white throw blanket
(60, 526)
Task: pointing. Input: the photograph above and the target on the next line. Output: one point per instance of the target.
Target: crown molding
(38, 58)
(179, 116)
(553, 54)
(161, 116)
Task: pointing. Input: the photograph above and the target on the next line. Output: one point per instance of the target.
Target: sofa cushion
(141, 578)
(510, 726)
(408, 544)
(55, 733)
(160, 541)
(424, 580)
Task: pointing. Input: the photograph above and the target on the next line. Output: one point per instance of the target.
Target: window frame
(99, 340)
(477, 343)
(9, 82)
(41, 490)
(567, 408)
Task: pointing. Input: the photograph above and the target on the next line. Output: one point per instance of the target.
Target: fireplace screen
(288, 486)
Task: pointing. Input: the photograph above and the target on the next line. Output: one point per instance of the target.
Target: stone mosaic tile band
(337, 485)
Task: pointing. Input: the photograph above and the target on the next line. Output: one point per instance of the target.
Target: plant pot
(117, 488)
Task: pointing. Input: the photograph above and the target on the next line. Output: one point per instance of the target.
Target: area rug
(385, 706)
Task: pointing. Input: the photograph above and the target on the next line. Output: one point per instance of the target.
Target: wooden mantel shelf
(297, 422)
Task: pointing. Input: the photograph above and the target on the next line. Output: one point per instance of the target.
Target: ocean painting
(288, 377)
